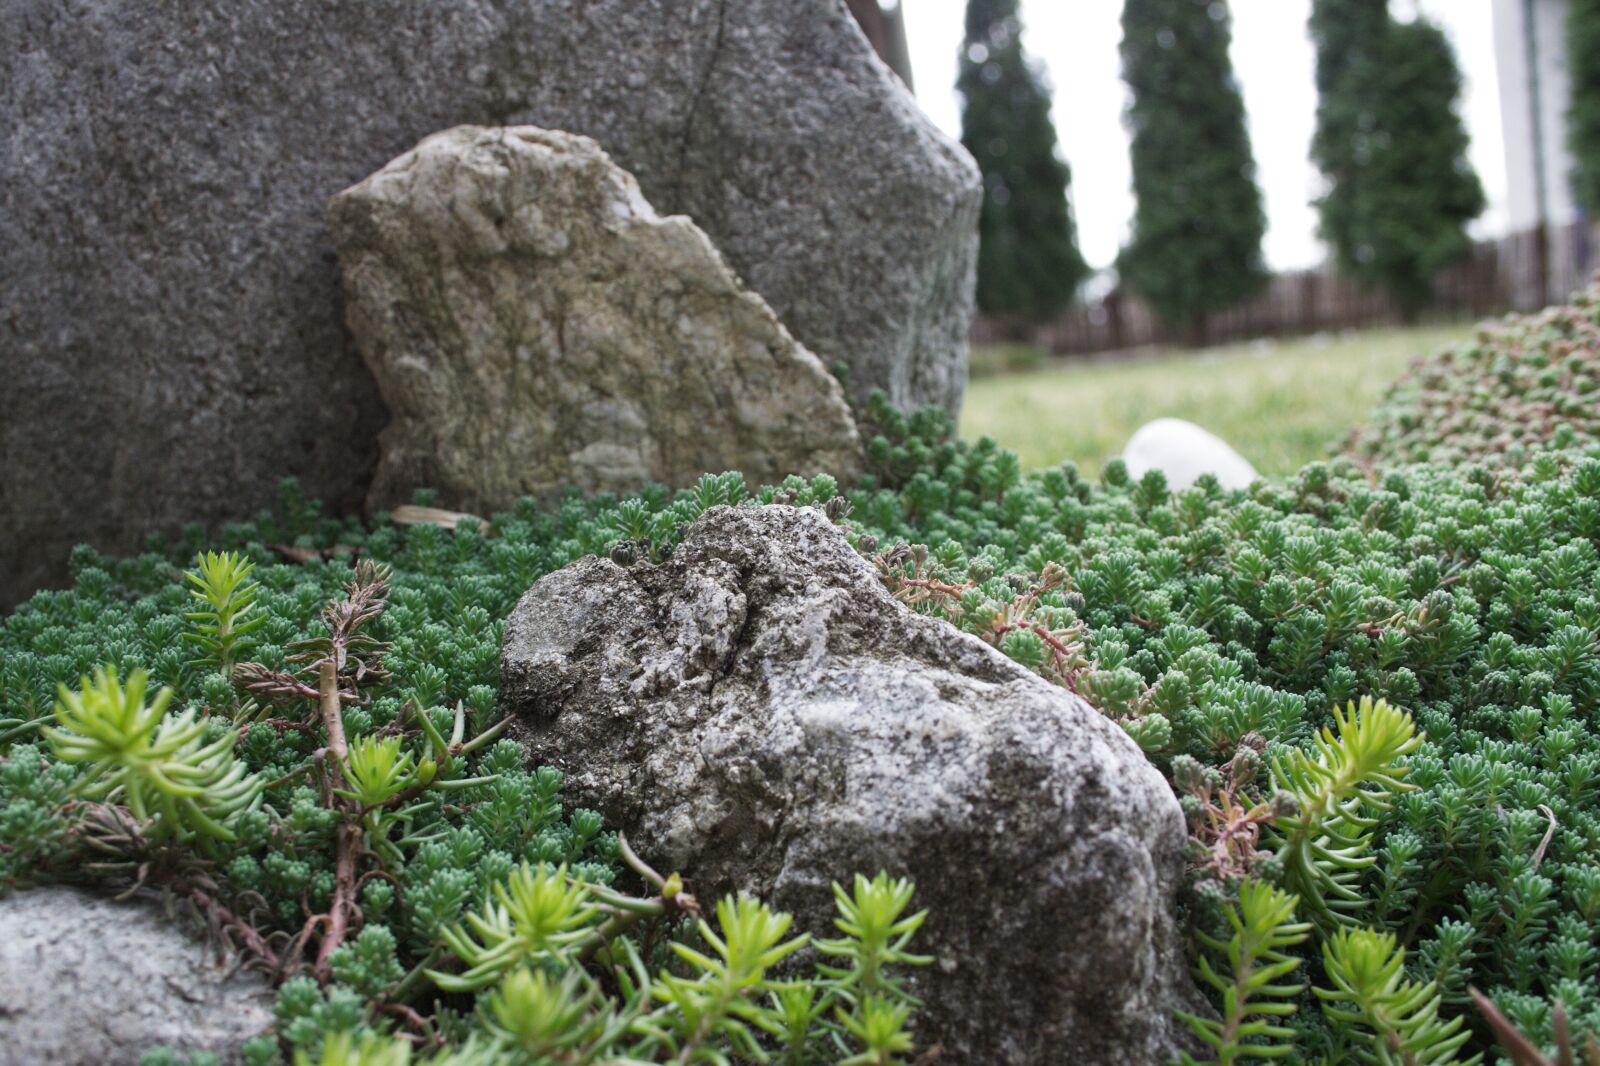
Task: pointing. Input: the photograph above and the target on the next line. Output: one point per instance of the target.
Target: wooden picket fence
(1499, 276)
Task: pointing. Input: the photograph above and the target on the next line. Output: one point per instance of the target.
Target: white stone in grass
(1183, 451)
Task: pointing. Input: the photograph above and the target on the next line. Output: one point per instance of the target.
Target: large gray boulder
(86, 981)
(533, 324)
(759, 713)
(171, 329)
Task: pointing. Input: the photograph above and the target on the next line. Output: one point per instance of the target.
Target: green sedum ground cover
(164, 727)
(1375, 693)
(1521, 383)
(1223, 629)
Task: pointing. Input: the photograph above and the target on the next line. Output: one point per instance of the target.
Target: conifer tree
(1028, 260)
(1393, 149)
(1347, 34)
(1342, 31)
(1197, 229)
(1583, 116)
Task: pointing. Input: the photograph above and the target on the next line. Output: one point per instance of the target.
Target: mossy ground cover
(1375, 692)
(297, 739)
(1513, 387)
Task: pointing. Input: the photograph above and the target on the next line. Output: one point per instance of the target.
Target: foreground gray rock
(533, 324)
(86, 981)
(760, 713)
(171, 330)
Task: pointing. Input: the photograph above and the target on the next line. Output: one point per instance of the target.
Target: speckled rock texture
(759, 713)
(171, 323)
(87, 981)
(534, 324)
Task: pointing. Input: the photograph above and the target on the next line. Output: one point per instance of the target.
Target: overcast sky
(1076, 42)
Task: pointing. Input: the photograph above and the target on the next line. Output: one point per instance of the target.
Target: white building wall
(1548, 26)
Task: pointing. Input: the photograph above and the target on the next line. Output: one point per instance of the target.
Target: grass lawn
(1279, 403)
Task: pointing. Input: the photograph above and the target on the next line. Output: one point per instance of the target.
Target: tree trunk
(1113, 307)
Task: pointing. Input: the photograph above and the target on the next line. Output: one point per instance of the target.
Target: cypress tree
(1393, 149)
(1028, 260)
(1197, 229)
(1342, 30)
(1583, 116)
(1347, 34)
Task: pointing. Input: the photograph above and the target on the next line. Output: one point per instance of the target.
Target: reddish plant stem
(1066, 657)
(332, 721)
(347, 842)
(932, 585)
(252, 940)
(410, 1017)
(1232, 831)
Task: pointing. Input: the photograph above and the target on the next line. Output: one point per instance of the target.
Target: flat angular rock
(759, 713)
(534, 324)
(171, 326)
(87, 981)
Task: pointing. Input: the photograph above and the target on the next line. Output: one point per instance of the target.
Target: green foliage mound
(1222, 628)
(303, 747)
(1375, 698)
(1522, 385)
